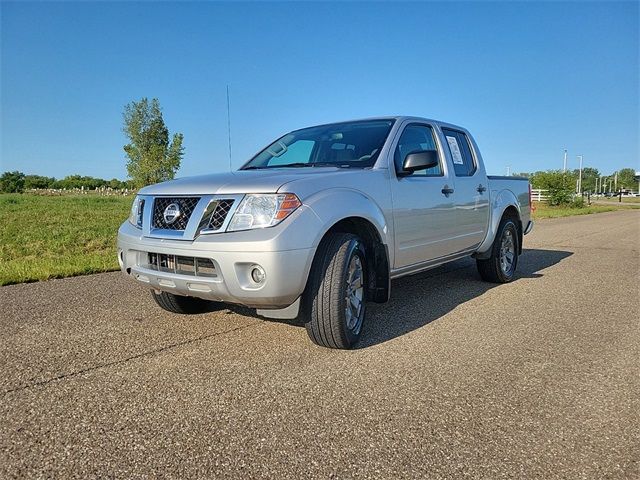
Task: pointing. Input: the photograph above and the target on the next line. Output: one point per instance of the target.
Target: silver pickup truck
(319, 222)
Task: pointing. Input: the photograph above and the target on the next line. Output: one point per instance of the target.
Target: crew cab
(320, 221)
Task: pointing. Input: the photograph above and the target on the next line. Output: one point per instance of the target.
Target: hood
(241, 181)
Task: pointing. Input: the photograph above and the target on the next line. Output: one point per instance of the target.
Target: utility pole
(564, 163)
(580, 176)
(615, 182)
(229, 127)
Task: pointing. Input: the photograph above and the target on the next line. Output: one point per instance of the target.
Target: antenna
(229, 127)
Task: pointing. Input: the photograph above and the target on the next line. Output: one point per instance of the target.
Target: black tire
(491, 269)
(325, 298)
(179, 304)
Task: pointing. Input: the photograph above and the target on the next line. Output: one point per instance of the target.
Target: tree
(589, 176)
(561, 185)
(12, 182)
(627, 178)
(152, 158)
(37, 181)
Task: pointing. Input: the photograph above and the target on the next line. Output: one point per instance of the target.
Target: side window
(458, 144)
(299, 151)
(416, 138)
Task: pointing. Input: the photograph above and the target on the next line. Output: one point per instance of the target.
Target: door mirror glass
(421, 160)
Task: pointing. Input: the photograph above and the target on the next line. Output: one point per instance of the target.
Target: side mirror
(419, 161)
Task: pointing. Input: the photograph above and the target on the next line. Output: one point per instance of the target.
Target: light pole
(580, 176)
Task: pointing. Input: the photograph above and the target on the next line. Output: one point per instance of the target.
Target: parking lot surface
(454, 378)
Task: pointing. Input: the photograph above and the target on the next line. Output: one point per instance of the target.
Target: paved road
(455, 378)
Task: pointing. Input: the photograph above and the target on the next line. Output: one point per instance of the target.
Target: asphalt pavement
(454, 378)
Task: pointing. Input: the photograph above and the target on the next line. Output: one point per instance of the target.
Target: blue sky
(528, 79)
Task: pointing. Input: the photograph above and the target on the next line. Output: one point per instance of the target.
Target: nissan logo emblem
(171, 213)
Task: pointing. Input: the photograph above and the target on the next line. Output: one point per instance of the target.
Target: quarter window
(416, 138)
(460, 150)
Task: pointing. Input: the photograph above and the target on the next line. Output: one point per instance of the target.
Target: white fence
(539, 195)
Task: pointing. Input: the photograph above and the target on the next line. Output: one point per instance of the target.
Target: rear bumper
(285, 271)
(528, 228)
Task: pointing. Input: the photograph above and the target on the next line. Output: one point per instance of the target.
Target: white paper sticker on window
(455, 150)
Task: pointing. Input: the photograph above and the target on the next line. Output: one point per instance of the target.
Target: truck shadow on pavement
(420, 299)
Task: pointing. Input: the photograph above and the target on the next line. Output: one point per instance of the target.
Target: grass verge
(44, 237)
(542, 210)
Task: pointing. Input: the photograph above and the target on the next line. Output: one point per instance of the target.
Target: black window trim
(439, 149)
(473, 154)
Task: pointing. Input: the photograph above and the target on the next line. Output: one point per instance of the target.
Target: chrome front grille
(215, 215)
(186, 205)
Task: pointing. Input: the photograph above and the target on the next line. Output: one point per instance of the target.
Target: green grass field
(542, 210)
(45, 237)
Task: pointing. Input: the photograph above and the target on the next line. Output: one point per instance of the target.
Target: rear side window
(458, 144)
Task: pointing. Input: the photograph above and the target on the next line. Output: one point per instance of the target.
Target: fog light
(257, 274)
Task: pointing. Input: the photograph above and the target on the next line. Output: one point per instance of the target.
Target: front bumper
(286, 271)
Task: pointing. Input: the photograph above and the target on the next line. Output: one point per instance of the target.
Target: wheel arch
(349, 210)
(505, 204)
(378, 282)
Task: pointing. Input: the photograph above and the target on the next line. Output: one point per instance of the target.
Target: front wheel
(334, 300)
(500, 267)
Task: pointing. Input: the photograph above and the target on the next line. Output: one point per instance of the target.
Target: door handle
(481, 189)
(446, 191)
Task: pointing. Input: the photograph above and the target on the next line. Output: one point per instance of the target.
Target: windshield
(349, 144)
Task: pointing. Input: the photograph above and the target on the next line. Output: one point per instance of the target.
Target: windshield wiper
(299, 165)
(332, 164)
(294, 165)
(316, 164)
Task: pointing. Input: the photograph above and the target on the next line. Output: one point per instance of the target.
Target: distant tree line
(561, 185)
(18, 182)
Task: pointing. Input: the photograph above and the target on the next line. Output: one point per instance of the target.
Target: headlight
(135, 217)
(263, 210)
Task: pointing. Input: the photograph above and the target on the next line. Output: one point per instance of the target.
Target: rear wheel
(334, 301)
(180, 304)
(500, 267)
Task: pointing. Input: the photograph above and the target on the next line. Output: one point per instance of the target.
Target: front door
(423, 210)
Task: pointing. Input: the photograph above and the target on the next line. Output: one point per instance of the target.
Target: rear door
(471, 190)
(424, 216)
